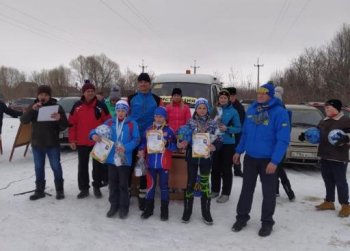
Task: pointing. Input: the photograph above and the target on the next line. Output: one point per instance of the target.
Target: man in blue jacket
(142, 106)
(265, 138)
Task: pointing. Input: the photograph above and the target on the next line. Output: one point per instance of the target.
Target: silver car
(303, 117)
(67, 104)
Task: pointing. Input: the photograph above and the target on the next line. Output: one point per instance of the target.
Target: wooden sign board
(23, 138)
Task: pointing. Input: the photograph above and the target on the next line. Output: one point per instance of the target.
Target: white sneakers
(222, 199)
(214, 195)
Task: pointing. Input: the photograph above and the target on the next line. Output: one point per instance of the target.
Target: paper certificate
(155, 142)
(200, 145)
(101, 150)
(45, 113)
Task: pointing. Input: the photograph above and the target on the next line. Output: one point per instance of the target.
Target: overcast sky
(168, 34)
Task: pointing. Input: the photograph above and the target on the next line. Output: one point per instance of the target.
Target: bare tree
(9, 79)
(101, 70)
(58, 78)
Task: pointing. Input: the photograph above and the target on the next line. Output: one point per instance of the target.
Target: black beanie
(232, 90)
(44, 89)
(176, 91)
(224, 92)
(336, 103)
(144, 77)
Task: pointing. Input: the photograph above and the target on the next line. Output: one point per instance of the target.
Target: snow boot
(83, 194)
(123, 213)
(97, 192)
(39, 191)
(59, 190)
(289, 191)
(345, 210)
(149, 207)
(326, 205)
(112, 211)
(238, 225)
(205, 206)
(188, 205)
(265, 230)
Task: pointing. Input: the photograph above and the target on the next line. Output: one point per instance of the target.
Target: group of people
(213, 139)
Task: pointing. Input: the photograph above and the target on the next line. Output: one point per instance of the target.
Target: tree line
(66, 81)
(320, 73)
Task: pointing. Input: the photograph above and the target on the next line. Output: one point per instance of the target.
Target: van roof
(190, 78)
(300, 107)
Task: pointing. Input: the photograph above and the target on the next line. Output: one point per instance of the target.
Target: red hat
(87, 85)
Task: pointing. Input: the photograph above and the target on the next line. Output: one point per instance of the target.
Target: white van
(193, 86)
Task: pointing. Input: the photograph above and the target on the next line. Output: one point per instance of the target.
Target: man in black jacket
(45, 141)
(241, 112)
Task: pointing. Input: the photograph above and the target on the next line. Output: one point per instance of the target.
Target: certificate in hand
(201, 145)
(101, 150)
(45, 113)
(155, 142)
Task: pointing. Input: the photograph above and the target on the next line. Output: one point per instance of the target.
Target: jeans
(54, 155)
(334, 175)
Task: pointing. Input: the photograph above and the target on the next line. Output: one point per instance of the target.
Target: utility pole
(195, 67)
(258, 65)
(143, 66)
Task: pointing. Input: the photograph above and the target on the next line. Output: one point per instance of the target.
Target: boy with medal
(158, 143)
(125, 135)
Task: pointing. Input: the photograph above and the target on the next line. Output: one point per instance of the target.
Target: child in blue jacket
(125, 134)
(158, 163)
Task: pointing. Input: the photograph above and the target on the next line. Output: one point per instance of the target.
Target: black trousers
(98, 170)
(238, 167)
(334, 175)
(252, 168)
(282, 175)
(222, 170)
(118, 177)
(192, 172)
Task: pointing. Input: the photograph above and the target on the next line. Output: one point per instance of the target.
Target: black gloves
(302, 137)
(343, 139)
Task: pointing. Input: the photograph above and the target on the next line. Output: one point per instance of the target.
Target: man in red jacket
(87, 114)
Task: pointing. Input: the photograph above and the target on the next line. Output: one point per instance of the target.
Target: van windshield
(190, 91)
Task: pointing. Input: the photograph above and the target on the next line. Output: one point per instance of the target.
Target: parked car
(193, 86)
(21, 103)
(303, 117)
(67, 104)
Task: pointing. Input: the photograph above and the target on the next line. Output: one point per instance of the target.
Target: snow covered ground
(71, 224)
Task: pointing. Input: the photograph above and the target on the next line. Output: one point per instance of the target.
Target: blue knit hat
(268, 89)
(201, 101)
(161, 112)
(122, 105)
